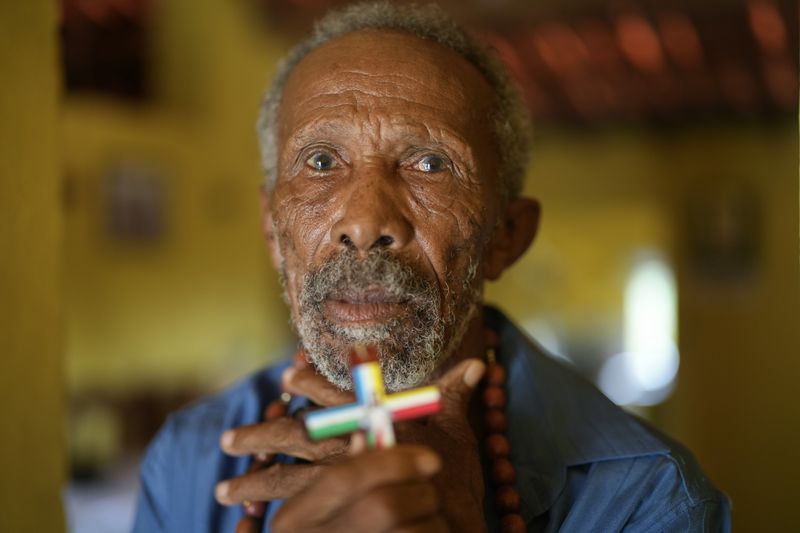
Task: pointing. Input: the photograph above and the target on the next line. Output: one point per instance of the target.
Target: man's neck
(471, 344)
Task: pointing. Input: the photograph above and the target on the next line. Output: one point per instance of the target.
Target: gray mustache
(380, 276)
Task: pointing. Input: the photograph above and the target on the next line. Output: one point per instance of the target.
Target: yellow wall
(737, 402)
(32, 457)
(602, 203)
(201, 306)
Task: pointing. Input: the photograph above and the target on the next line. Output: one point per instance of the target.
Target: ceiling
(578, 62)
(587, 61)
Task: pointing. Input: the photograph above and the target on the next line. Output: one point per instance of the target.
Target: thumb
(457, 385)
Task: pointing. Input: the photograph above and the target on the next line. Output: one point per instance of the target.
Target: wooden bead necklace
(496, 446)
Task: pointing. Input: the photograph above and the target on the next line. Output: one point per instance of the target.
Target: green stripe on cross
(334, 430)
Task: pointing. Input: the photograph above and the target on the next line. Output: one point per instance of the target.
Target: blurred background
(133, 276)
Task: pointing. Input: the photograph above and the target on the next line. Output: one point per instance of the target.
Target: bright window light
(644, 373)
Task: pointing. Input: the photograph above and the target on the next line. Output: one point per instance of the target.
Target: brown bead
(275, 409)
(249, 525)
(494, 397)
(513, 523)
(490, 338)
(503, 472)
(495, 374)
(262, 459)
(495, 420)
(254, 509)
(507, 499)
(497, 446)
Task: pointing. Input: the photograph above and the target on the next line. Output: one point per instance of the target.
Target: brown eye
(320, 161)
(431, 163)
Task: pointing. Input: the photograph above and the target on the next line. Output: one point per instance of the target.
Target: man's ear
(513, 234)
(268, 228)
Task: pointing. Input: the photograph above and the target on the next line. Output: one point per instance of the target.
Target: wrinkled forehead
(389, 70)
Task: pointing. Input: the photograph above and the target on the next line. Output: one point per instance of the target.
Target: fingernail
(226, 441)
(221, 490)
(288, 375)
(358, 443)
(474, 373)
(428, 463)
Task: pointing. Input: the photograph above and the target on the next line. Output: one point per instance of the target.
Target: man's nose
(372, 218)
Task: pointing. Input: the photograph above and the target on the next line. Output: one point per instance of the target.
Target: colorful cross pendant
(374, 410)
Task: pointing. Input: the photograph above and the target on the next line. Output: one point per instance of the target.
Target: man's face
(384, 201)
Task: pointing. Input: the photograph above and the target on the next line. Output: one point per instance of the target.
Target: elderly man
(394, 150)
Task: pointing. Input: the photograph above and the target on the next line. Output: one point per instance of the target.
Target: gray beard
(411, 346)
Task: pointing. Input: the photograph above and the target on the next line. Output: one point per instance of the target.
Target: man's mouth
(363, 306)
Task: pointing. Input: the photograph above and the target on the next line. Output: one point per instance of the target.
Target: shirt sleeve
(670, 507)
(153, 497)
(706, 516)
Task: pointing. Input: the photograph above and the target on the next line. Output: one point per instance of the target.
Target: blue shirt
(582, 463)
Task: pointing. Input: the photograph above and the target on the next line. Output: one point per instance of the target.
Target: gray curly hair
(512, 125)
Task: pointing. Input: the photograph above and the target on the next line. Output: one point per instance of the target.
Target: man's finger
(342, 483)
(457, 386)
(282, 435)
(306, 382)
(385, 508)
(358, 443)
(276, 482)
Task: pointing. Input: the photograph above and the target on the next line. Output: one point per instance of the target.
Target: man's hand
(283, 436)
(458, 485)
(378, 490)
